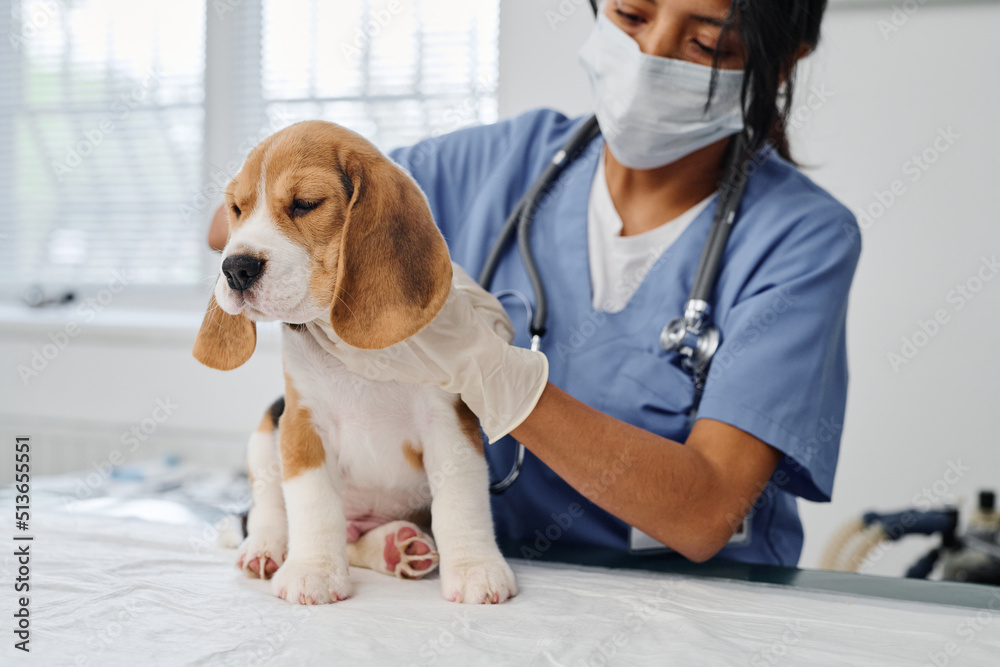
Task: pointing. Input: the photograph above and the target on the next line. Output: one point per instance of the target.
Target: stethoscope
(692, 335)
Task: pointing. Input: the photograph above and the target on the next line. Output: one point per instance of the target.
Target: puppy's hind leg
(398, 548)
(266, 545)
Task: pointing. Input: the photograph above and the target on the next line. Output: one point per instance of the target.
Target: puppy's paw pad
(261, 555)
(408, 553)
(483, 581)
(311, 582)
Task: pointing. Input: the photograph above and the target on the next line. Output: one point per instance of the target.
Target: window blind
(102, 114)
(100, 136)
(395, 71)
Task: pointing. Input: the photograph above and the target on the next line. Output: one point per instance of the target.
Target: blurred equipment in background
(35, 296)
(971, 557)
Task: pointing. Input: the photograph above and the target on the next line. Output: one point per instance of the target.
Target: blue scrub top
(780, 303)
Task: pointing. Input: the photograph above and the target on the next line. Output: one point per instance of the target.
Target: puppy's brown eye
(236, 210)
(301, 206)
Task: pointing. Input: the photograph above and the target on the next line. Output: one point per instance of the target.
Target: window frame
(233, 57)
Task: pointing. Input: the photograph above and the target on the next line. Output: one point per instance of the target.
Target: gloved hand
(464, 350)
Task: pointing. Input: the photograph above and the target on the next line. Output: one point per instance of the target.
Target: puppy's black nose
(241, 271)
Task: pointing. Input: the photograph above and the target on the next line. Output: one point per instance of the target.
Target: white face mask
(651, 110)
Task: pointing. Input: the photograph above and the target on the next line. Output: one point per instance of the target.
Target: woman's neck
(648, 198)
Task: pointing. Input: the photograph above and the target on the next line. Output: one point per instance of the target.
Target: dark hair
(772, 32)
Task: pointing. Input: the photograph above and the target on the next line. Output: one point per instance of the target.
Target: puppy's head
(321, 224)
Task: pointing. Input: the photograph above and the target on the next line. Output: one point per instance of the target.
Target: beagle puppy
(323, 225)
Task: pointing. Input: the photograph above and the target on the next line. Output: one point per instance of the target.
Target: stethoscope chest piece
(692, 337)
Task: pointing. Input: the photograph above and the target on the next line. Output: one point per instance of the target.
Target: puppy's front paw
(262, 553)
(312, 581)
(486, 580)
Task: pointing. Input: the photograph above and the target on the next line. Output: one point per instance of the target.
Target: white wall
(892, 95)
(888, 98)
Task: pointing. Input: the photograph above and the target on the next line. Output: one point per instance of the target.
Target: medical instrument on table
(35, 296)
(971, 557)
(692, 335)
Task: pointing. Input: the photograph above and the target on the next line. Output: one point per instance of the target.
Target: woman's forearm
(685, 495)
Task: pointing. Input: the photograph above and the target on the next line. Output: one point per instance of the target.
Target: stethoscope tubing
(521, 218)
(519, 221)
(730, 195)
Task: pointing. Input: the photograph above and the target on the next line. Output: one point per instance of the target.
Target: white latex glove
(487, 305)
(464, 350)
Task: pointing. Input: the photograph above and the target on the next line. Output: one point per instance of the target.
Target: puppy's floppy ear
(393, 272)
(224, 341)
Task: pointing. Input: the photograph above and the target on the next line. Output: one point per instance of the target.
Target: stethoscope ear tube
(730, 194)
(525, 209)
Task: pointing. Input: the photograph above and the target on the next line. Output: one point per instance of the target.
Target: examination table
(143, 581)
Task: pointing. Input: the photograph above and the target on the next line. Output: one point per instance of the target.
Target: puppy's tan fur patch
(266, 424)
(414, 455)
(470, 425)
(301, 447)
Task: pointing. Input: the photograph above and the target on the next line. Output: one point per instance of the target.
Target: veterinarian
(613, 458)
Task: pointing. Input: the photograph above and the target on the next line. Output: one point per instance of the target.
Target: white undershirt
(619, 263)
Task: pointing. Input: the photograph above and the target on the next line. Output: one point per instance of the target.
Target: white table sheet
(123, 591)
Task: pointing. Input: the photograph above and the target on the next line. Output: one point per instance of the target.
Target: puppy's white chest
(365, 426)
